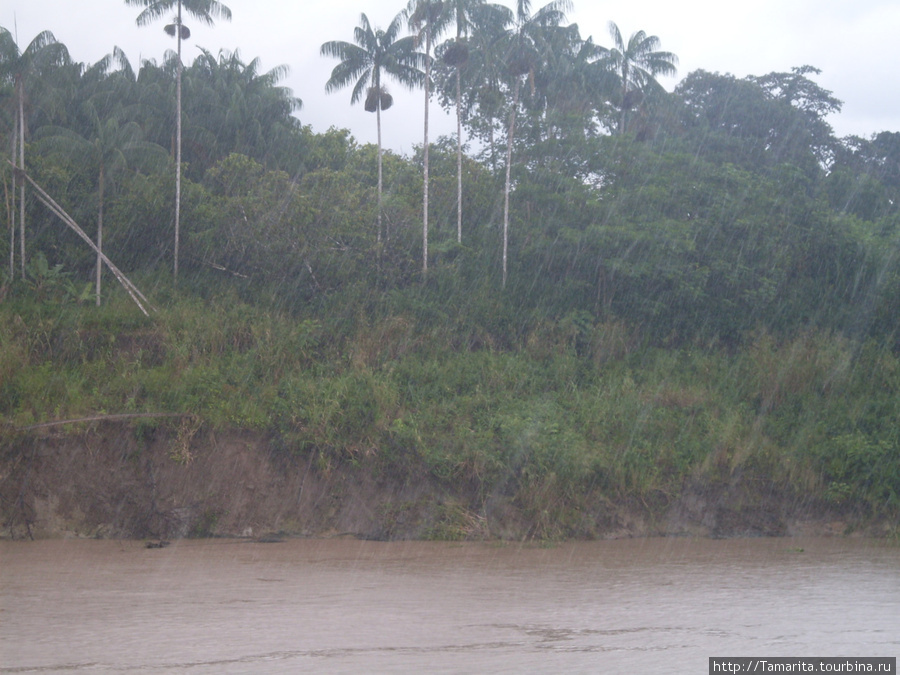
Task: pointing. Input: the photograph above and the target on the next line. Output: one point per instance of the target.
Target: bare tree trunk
(493, 149)
(11, 206)
(458, 159)
(100, 235)
(425, 152)
(509, 147)
(22, 167)
(378, 124)
(178, 146)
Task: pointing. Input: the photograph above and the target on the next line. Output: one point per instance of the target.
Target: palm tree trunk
(22, 167)
(425, 155)
(458, 159)
(378, 124)
(493, 148)
(11, 206)
(509, 146)
(178, 146)
(100, 234)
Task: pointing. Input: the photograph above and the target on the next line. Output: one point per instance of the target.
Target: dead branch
(102, 418)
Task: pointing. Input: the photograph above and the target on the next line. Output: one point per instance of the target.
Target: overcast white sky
(856, 44)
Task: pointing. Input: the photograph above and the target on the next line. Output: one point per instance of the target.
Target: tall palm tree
(204, 11)
(483, 73)
(636, 65)
(18, 67)
(525, 51)
(376, 53)
(427, 19)
(468, 16)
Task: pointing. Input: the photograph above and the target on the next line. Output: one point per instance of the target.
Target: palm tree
(466, 14)
(204, 11)
(483, 72)
(242, 109)
(636, 66)
(565, 91)
(112, 88)
(155, 101)
(524, 54)
(8, 119)
(427, 19)
(111, 145)
(18, 67)
(376, 53)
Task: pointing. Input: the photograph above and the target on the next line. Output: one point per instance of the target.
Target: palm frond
(360, 86)
(153, 9)
(204, 11)
(616, 35)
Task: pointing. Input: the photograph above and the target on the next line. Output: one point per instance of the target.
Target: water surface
(346, 606)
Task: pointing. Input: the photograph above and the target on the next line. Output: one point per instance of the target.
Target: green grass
(547, 420)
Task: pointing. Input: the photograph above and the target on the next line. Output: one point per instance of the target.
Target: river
(348, 606)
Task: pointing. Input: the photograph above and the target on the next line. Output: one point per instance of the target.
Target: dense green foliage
(710, 292)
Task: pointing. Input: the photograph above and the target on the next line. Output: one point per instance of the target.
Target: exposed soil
(110, 482)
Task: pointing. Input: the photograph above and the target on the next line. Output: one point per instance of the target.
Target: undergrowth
(563, 410)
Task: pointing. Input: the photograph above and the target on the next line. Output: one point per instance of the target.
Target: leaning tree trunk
(509, 146)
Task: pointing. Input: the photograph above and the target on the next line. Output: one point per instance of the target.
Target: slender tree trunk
(509, 147)
(493, 147)
(458, 158)
(22, 167)
(378, 124)
(11, 206)
(100, 234)
(178, 146)
(425, 153)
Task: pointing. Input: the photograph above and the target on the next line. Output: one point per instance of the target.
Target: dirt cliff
(111, 480)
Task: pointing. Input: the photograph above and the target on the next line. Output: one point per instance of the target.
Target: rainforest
(605, 309)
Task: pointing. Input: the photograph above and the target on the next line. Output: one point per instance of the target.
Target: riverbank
(222, 419)
(107, 481)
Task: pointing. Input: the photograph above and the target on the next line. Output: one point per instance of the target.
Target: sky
(853, 42)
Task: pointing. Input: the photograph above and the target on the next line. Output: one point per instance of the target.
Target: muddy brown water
(347, 606)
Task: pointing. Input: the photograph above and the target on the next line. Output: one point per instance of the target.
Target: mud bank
(112, 482)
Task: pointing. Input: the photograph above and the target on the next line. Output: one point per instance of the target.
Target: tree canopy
(725, 204)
